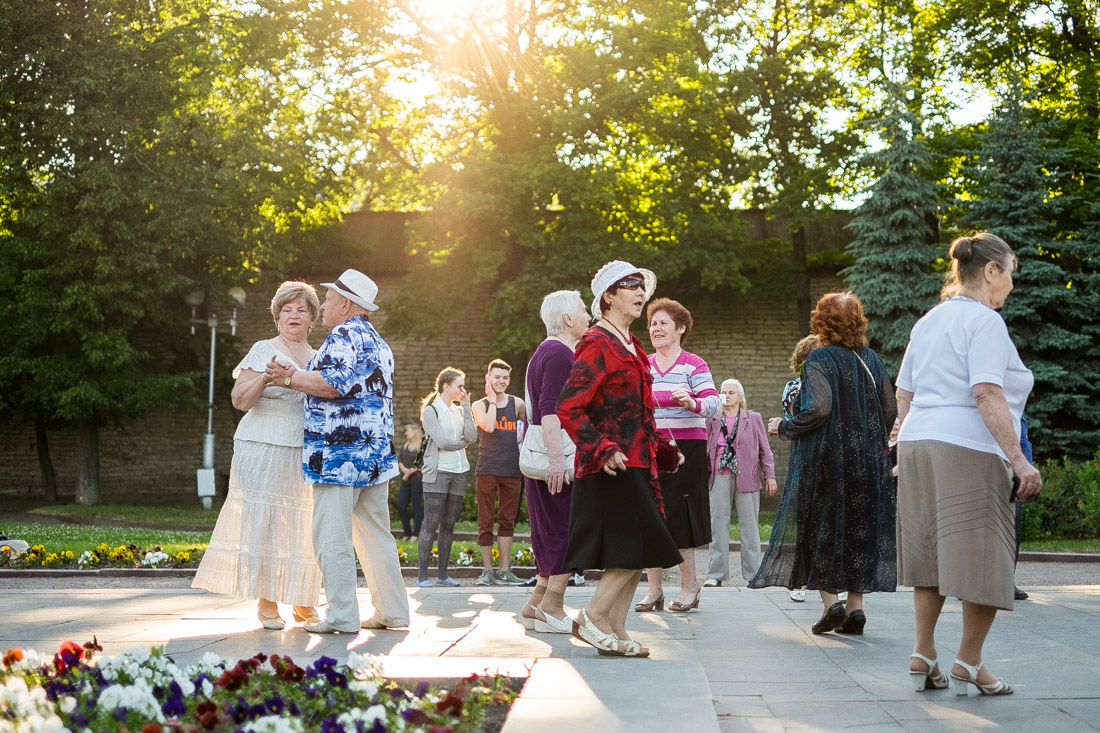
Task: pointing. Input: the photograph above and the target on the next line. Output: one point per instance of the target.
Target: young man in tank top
(497, 474)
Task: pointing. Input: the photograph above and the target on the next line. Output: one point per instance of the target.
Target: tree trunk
(87, 484)
(801, 280)
(49, 478)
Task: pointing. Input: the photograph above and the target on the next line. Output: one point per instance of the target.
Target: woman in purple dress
(566, 319)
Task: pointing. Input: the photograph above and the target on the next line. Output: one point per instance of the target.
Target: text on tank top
(498, 451)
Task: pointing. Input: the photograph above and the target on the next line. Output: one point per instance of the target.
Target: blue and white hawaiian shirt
(349, 439)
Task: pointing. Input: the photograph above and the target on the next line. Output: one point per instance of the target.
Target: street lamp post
(204, 477)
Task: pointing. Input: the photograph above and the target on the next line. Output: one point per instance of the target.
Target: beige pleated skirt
(956, 527)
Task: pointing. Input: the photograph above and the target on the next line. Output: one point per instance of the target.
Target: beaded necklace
(619, 331)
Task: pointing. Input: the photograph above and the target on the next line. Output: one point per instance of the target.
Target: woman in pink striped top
(684, 392)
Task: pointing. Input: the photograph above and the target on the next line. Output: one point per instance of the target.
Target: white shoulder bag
(533, 459)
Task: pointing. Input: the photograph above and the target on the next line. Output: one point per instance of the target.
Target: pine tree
(894, 246)
(1054, 309)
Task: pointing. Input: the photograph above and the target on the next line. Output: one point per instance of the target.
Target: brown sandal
(677, 607)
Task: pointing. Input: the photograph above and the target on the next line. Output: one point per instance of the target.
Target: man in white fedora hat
(348, 455)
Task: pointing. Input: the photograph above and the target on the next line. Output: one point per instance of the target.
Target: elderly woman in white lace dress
(262, 545)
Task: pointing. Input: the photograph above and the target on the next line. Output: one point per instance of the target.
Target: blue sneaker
(424, 584)
(448, 582)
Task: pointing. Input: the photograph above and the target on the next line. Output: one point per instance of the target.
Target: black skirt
(614, 524)
(686, 494)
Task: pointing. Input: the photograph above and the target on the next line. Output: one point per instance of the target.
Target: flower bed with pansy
(467, 556)
(145, 690)
(102, 556)
(135, 556)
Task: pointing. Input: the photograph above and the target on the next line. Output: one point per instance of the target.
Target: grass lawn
(167, 515)
(1061, 546)
(78, 538)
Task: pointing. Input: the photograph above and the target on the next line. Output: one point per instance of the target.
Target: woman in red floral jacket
(607, 406)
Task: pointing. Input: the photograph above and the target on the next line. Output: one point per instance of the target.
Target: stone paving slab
(744, 661)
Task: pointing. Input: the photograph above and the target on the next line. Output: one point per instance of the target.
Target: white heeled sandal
(607, 644)
(552, 625)
(271, 623)
(933, 679)
(997, 687)
(528, 623)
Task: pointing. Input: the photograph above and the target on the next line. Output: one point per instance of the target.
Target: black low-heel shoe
(832, 619)
(853, 623)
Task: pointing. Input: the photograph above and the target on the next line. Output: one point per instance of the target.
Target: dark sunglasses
(630, 283)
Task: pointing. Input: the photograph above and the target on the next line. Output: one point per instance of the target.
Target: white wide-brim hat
(612, 273)
(356, 287)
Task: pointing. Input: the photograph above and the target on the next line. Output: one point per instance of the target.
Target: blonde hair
(419, 431)
(740, 390)
(445, 377)
(802, 350)
(291, 291)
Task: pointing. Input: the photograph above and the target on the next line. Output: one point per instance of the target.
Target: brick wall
(154, 459)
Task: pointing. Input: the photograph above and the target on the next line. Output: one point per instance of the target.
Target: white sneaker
(712, 583)
(577, 579)
(798, 596)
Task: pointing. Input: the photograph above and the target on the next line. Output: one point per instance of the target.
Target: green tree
(1017, 193)
(594, 134)
(894, 244)
(149, 149)
(780, 76)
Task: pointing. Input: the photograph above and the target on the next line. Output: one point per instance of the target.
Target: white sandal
(607, 644)
(547, 624)
(627, 648)
(528, 623)
(961, 684)
(933, 679)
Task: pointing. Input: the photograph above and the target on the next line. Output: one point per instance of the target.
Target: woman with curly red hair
(834, 530)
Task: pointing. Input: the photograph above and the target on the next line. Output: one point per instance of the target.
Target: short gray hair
(557, 304)
(740, 390)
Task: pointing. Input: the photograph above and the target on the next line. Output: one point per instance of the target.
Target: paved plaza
(744, 661)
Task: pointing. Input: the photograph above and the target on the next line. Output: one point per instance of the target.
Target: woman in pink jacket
(739, 457)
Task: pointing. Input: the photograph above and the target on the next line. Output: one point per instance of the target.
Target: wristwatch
(287, 379)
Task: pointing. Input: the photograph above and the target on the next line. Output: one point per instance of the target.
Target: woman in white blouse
(961, 392)
(450, 428)
(262, 545)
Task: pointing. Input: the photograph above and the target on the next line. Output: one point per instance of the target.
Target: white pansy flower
(43, 724)
(186, 685)
(363, 665)
(137, 697)
(274, 724)
(367, 687)
(209, 662)
(357, 715)
(207, 688)
(153, 559)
